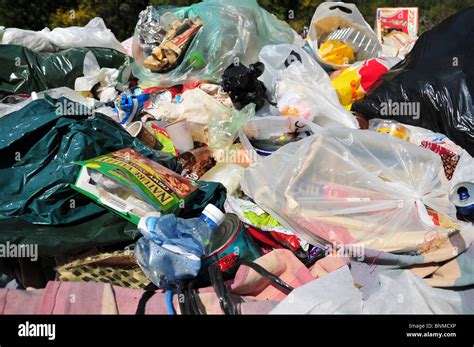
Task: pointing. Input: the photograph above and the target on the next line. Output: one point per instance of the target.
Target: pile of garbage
(217, 161)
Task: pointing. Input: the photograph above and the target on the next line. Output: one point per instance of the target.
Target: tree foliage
(121, 15)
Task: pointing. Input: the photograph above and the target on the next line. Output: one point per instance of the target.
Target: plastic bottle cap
(463, 193)
(213, 213)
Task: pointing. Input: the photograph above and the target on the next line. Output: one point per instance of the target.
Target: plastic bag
(352, 186)
(448, 151)
(225, 123)
(196, 106)
(93, 34)
(44, 139)
(301, 87)
(434, 86)
(351, 26)
(232, 31)
(53, 240)
(262, 128)
(93, 74)
(228, 174)
(24, 71)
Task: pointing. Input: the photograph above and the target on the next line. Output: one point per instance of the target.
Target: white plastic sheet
(94, 74)
(399, 292)
(351, 186)
(94, 34)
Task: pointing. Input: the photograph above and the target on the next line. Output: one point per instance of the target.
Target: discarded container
(230, 245)
(196, 162)
(137, 129)
(180, 135)
(131, 185)
(397, 30)
(129, 106)
(171, 248)
(462, 196)
(392, 128)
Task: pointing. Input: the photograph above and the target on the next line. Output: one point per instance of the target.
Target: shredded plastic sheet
(351, 186)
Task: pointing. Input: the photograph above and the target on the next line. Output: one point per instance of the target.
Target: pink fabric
(282, 263)
(327, 265)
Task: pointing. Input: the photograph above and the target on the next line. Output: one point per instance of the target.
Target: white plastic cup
(135, 128)
(180, 135)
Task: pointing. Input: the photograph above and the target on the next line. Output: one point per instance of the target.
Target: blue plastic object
(171, 248)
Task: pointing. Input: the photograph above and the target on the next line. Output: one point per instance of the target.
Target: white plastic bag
(94, 74)
(352, 186)
(301, 86)
(331, 16)
(37, 41)
(464, 170)
(228, 174)
(94, 34)
(196, 106)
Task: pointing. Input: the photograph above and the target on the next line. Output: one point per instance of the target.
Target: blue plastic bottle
(171, 248)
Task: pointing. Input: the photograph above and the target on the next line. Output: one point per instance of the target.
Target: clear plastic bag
(231, 30)
(225, 123)
(301, 88)
(351, 26)
(94, 34)
(352, 186)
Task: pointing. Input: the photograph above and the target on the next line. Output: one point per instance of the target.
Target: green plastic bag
(24, 71)
(53, 240)
(38, 148)
(232, 30)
